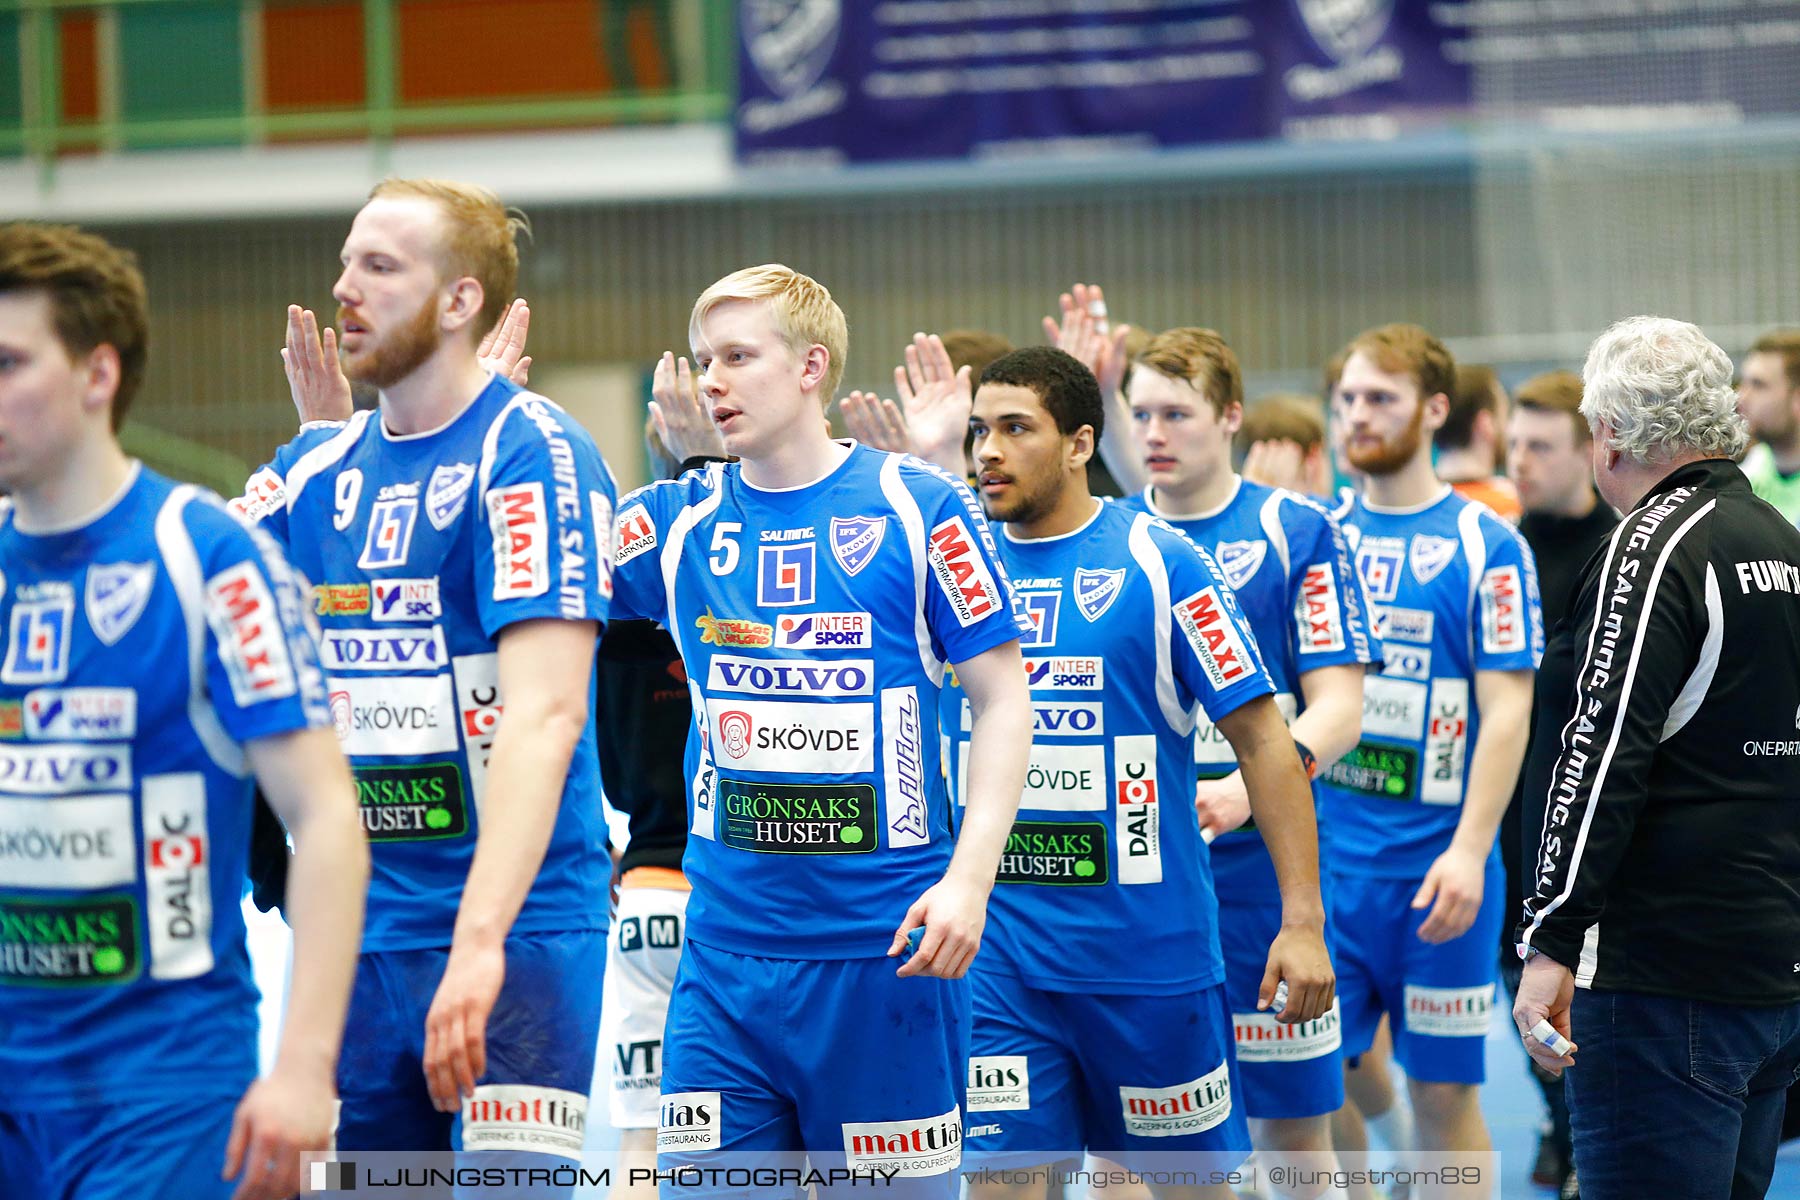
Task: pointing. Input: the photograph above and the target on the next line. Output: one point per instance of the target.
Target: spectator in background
(1769, 398)
(1550, 459)
(1281, 443)
(1470, 446)
(1660, 936)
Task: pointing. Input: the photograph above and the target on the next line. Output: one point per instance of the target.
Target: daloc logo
(1346, 29)
(791, 41)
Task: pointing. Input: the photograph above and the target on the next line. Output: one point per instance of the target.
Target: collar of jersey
(1408, 509)
(811, 483)
(389, 435)
(99, 514)
(1237, 485)
(1099, 507)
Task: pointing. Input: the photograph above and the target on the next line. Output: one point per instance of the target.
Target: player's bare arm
(1329, 726)
(1281, 800)
(307, 782)
(1453, 886)
(954, 910)
(546, 675)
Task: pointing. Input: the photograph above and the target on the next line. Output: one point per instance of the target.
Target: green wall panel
(180, 60)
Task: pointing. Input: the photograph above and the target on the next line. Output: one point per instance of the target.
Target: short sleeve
(265, 497)
(262, 655)
(1507, 618)
(1330, 608)
(548, 500)
(1211, 649)
(969, 603)
(638, 590)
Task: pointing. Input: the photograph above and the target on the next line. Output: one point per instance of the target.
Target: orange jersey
(1497, 492)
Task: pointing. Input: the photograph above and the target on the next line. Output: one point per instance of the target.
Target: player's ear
(1437, 411)
(1081, 446)
(103, 372)
(463, 304)
(1232, 419)
(814, 365)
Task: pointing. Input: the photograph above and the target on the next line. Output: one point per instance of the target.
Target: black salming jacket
(1670, 860)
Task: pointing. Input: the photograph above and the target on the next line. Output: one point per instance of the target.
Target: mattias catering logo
(790, 41)
(1346, 29)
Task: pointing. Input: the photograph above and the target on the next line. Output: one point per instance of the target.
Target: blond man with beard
(1416, 885)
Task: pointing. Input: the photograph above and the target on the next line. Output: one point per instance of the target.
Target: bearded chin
(402, 353)
(1392, 455)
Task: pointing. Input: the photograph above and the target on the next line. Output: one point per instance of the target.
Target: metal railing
(702, 52)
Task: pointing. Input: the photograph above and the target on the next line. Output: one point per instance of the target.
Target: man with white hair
(1663, 941)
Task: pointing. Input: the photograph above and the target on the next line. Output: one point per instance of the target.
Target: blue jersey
(1288, 563)
(1454, 590)
(421, 549)
(1134, 635)
(816, 623)
(143, 648)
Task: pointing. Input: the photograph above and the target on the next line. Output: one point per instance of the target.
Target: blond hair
(480, 238)
(805, 314)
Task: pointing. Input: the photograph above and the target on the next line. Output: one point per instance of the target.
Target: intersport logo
(790, 677)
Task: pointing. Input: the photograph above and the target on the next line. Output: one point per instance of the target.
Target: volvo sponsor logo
(64, 769)
(383, 649)
(793, 677)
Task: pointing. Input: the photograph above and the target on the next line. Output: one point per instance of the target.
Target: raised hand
(315, 377)
(875, 422)
(1086, 333)
(937, 399)
(502, 351)
(683, 419)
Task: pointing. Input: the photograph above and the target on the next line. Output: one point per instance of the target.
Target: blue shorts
(767, 1057)
(1054, 1073)
(118, 1151)
(1439, 999)
(541, 1038)
(1287, 1070)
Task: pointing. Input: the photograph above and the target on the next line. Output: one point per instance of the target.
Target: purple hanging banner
(889, 80)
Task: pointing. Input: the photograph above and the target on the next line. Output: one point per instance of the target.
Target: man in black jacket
(1663, 938)
(1549, 453)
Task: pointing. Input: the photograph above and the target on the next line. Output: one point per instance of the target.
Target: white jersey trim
(182, 562)
(1162, 603)
(912, 524)
(1276, 535)
(325, 454)
(1468, 528)
(490, 442)
(1700, 681)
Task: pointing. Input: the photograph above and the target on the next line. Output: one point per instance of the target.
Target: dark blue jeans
(1675, 1097)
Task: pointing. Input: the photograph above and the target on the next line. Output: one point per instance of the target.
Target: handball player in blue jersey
(1101, 1013)
(457, 541)
(1416, 885)
(157, 659)
(818, 592)
(1287, 561)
